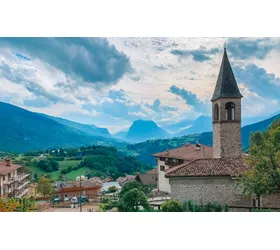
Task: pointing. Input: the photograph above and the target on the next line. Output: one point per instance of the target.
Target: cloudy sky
(110, 82)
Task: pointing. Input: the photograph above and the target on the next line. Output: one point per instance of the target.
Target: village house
(13, 179)
(149, 178)
(208, 174)
(125, 179)
(85, 187)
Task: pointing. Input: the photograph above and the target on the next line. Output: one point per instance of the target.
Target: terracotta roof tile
(7, 169)
(187, 152)
(153, 171)
(210, 167)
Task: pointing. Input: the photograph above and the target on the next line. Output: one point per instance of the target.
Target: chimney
(197, 146)
(8, 162)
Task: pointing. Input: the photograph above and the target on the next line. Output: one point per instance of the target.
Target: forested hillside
(22, 130)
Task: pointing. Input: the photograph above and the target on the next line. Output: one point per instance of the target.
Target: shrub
(191, 206)
(103, 207)
(60, 158)
(172, 206)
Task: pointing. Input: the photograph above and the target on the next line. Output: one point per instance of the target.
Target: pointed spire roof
(226, 85)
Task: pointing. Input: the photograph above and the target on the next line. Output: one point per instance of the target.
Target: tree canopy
(44, 186)
(132, 200)
(48, 165)
(264, 158)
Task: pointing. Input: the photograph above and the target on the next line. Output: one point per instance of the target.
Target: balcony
(12, 180)
(22, 177)
(24, 192)
(22, 185)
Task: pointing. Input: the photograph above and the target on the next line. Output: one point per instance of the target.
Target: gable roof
(153, 171)
(122, 180)
(187, 152)
(226, 85)
(147, 179)
(4, 169)
(210, 167)
(84, 184)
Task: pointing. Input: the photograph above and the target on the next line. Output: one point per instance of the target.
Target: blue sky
(110, 82)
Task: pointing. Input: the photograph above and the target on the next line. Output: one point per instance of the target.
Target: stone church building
(207, 174)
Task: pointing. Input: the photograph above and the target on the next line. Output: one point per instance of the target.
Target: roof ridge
(182, 165)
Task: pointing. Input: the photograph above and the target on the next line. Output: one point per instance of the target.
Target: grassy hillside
(89, 161)
(62, 165)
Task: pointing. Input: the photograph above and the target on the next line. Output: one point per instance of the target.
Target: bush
(172, 206)
(103, 207)
(60, 158)
(191, 206)
(264, 210)
(48, 165)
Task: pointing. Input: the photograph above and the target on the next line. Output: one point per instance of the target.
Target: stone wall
(227, 134)
(208, 189)
(272, 200)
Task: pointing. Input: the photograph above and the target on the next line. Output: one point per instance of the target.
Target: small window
(216, 112)
(162, 159)
(162, 168)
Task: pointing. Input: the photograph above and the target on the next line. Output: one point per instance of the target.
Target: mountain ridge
(22, 130)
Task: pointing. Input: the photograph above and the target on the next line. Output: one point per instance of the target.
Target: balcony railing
(15, 179)
(24, 192)
(22, 177)
(23, 185)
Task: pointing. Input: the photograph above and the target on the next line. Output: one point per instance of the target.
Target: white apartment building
(13, 180)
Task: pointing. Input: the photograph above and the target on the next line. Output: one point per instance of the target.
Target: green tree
(132, 200)
(264, 159)
(134, 184)
(112, 189)
(44, 186)
(172, 206)
(35, 177)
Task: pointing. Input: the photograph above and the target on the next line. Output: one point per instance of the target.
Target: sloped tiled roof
(210, 167)
(187, 152)
(153, 171)
(84, 184)
(226, 85)
(122, 180)
(147, 179)
(7, 169)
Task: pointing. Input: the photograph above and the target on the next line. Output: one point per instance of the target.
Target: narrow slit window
(230, 111)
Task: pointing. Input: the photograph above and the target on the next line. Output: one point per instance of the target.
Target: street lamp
(80, 178)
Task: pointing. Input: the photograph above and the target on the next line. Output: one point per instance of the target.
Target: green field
(63, 165)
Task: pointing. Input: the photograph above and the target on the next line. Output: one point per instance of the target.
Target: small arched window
(230, 111)
(216, 112)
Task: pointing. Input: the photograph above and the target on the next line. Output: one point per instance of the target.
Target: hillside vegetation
(143, 150)
(90, 161)
(22, 130)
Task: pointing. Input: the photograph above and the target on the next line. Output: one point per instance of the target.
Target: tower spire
(226, 85)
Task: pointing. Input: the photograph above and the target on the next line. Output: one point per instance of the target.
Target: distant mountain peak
(142, 130)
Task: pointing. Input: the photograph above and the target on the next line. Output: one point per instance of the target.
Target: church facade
(207, 174)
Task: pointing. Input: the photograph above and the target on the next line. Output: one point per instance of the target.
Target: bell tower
(226, 114)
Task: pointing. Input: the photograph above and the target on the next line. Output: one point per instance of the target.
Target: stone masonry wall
(272, 200)
(216, 189)
(227, 134)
